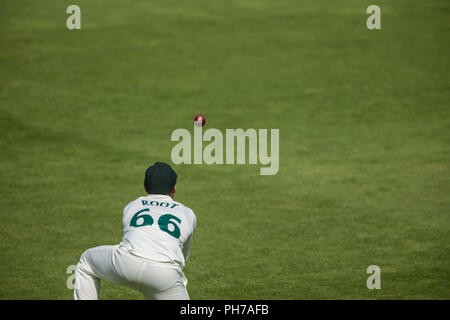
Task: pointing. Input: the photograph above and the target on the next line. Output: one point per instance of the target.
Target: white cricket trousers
(156, 280)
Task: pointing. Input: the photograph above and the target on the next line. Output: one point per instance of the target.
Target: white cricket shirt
(158, 228)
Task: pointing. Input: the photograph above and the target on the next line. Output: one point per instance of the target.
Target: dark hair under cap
(160, 178)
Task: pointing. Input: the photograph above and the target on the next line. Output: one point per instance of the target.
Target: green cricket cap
(160, 178)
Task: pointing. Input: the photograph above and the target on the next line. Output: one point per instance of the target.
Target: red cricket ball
(199, 120)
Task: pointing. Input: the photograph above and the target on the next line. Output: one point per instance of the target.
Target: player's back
(158, 228)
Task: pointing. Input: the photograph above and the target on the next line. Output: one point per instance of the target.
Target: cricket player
(154, 249)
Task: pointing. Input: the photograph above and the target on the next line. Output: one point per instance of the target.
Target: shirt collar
(160, 196)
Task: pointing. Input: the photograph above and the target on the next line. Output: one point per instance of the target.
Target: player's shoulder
(187, 210)
(156, 200)
(133, 203)
(184, 207)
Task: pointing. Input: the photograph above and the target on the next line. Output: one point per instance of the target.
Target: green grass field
(364, 119)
